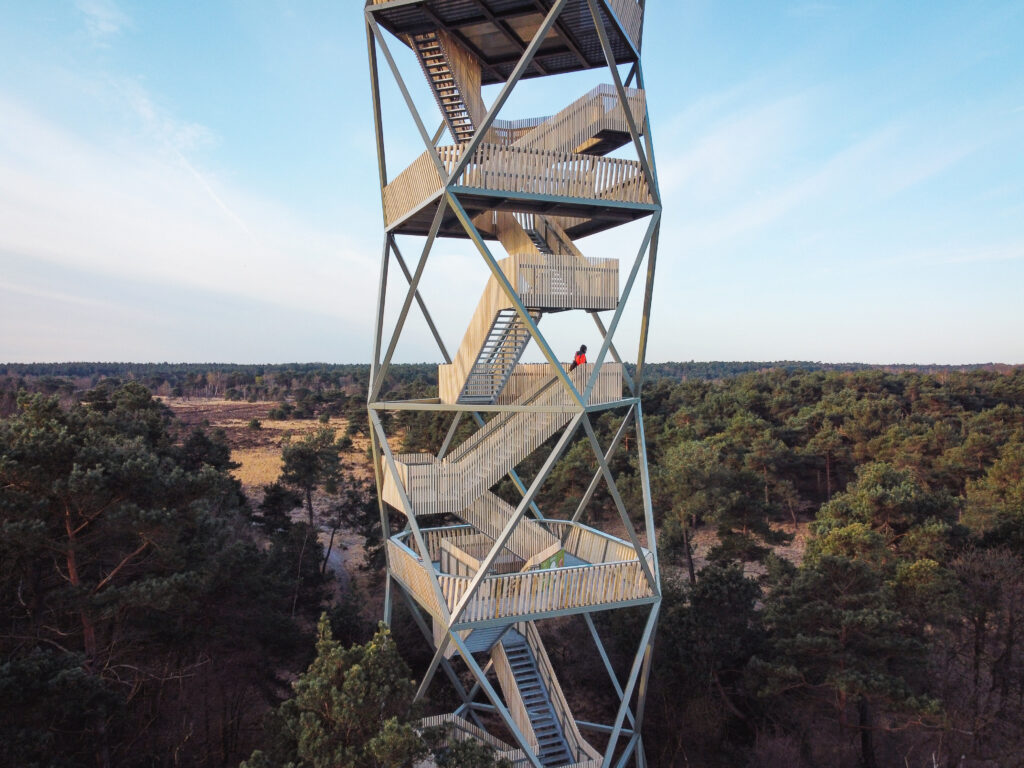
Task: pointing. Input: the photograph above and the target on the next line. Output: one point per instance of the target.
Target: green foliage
(310, 463)
(122, 572)
(350, 710)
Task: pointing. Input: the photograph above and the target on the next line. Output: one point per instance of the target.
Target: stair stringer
(535, 698)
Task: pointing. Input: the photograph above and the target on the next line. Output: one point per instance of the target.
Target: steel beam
(506, 89)
(623, 300)
(589, 493)
(613, 489)
(419, 300)
(410, 294)
(431, 149)
(609, 58)
(627, 694)
(512, 295)
(510, 526)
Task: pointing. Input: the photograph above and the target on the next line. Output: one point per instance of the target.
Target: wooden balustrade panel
(592, 546)
(598, 111)
(631, 17)
(579, 747)
(411, 571)
(518, 170)
(563, 281)
(556, 589)
(513, 699)
(411, 188)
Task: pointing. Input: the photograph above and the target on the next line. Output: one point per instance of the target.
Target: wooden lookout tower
(480, 575)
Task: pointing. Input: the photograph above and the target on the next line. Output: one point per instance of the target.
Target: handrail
(557, 589)
(410, 570)
(570, 731)
(592, 545)
(518, 170)
(513, 697)
(578, 125)
(523, 594)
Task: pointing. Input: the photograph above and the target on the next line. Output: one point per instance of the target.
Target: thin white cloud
(103, 19)
(139, 212)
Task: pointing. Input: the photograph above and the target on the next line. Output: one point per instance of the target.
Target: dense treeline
(142, 621)
(307, 389)
(891, 637)
(897, 640)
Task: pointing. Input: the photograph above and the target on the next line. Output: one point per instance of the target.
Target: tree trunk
(330, 546)
(867, 746)
(689, 555)
(298, 575)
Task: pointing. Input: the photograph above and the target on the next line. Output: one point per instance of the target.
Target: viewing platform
(600, 192)
(597, 570)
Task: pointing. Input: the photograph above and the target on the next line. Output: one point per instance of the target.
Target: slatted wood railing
(490, 514)
(526, 375)
(546, 172)
(521, 594)
(462, 477)
(518, 170)
(572, 129)
(562, 281)
(631, 16)
(409, 569)
(460, 729)
(591, 545)
(557, 589)
(515, 703)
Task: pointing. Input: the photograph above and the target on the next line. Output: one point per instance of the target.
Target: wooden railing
(631, 16)
(591, 545)
(460, 729)
(411, 188)
(572, 129)
(562, 281)
(543, 172)
(408, 568)
(490, 514)
(513, 699)
(459, 549)
(518, 170)
(557, 589)
(579, 747)
(521, 594)
(462, 477)
(542, 281)
(526, 375)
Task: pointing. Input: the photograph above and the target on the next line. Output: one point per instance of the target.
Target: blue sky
(196, 181)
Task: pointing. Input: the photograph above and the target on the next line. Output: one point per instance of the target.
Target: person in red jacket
(580, 358)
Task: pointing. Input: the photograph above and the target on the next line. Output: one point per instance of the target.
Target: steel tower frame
(497, 182)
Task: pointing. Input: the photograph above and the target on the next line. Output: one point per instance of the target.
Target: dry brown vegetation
(259, 450)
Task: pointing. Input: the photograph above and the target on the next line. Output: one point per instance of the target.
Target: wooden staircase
(452, 77)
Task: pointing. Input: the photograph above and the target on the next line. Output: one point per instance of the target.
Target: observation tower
(481, 575)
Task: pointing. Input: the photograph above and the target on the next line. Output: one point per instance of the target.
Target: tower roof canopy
(497, 31)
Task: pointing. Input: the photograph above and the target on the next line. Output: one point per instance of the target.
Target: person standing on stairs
(580, 358)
